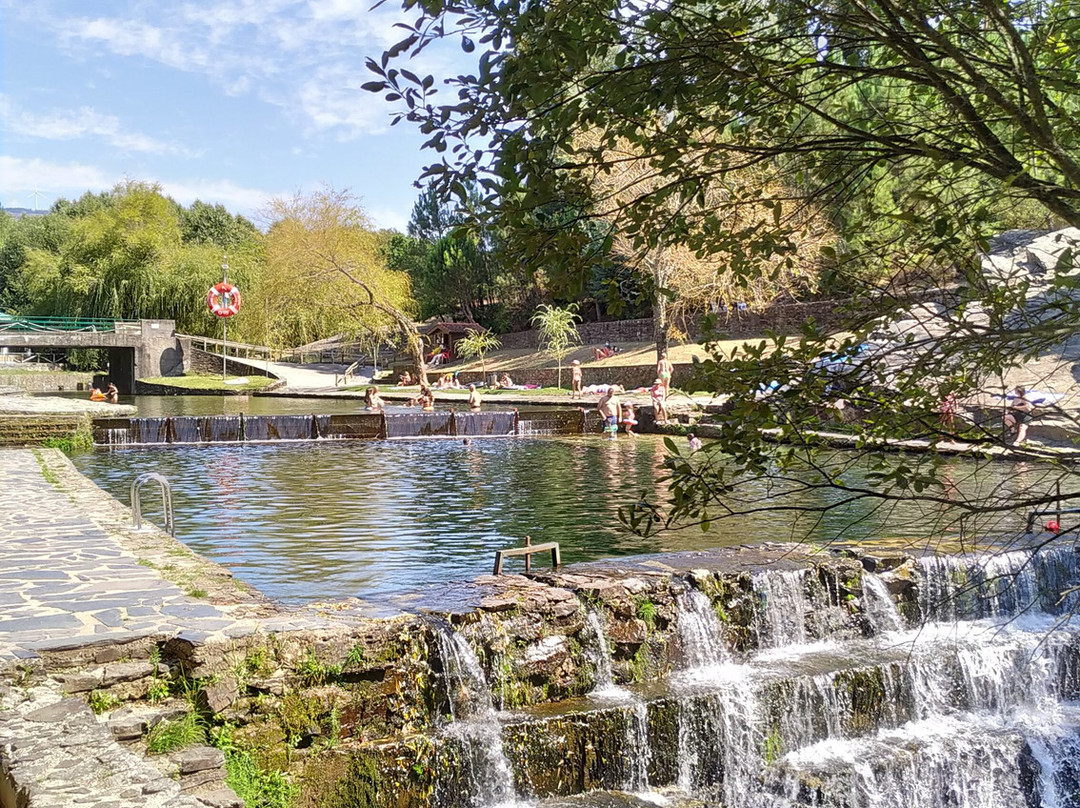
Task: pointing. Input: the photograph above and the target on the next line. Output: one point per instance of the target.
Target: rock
(199, 779)
(559, 595)
(546, 655)
(80, 682)
(635, 586)
(498, 603)
(564, 609)
(127, 727)
(274, 685)
(628, 632)
(219, 697)
(220, 798)
(198, 758)
(125, 672)
(62, 710)
(111, 654)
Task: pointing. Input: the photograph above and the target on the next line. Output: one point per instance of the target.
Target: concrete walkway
(297, 378)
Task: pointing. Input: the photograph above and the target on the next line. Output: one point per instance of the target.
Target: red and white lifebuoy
(223, 299)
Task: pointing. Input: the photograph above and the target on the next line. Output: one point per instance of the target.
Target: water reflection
(363, 518)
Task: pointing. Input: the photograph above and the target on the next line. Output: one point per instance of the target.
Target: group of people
(110, 395)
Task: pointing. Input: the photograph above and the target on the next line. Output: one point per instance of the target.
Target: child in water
(628, 419)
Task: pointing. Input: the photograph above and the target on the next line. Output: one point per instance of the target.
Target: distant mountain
(18, 213)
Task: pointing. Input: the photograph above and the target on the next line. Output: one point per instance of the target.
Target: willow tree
(326, 273)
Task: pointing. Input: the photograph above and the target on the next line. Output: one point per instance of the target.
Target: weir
(184, 429)
(772, 676)
(973, 707)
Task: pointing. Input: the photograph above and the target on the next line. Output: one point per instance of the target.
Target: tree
(477, 345)
(558, 332)
(324, 255)
(916, 127)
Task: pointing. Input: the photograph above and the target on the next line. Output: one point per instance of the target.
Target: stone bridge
(136, 348)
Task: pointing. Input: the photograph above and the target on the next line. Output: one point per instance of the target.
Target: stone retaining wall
(200, 361)
(780, 317)
(629, 376)
(47, 381)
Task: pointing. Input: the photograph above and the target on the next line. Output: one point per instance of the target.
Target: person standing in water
(608, 407)
(474, 398)
(372, 399)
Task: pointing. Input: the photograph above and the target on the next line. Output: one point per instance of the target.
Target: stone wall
(781, 317)
(629, 376)
(46, 381)
(199, 361)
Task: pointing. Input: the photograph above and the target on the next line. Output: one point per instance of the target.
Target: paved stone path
(59, 756)
(66, 582)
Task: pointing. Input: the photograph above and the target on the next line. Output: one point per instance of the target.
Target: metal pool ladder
(166, 500)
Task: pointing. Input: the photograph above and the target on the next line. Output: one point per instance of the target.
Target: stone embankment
(136, 673)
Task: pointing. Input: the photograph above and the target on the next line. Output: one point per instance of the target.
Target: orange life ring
(223, 300)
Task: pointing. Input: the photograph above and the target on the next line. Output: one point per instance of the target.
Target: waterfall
(483, 423)
(417, 424)
(475, 723)
(995, 585)
(700, 631)
(605, 678)
(634, 774)
(185, 429)
(783, 614)
(879, 606)
(636, 758)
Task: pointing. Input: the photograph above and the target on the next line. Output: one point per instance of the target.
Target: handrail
(350, 371)
(225, 346)
(64, 324)
(166, 500)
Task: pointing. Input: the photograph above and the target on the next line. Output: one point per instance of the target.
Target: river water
(324, 520)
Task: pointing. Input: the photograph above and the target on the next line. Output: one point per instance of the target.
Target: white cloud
(304, 56)
(19, 177)
(332, 99)
(82, 123)
(390, 219)
(236, 198)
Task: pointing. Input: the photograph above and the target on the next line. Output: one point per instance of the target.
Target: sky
(227, 101)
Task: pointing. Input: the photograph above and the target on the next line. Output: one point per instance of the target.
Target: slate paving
(65, 581)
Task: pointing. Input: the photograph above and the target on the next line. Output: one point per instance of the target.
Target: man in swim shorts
(608, 407)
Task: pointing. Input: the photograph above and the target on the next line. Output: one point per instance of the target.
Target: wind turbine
(36, 195)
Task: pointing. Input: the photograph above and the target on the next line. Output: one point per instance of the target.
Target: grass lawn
(207, 382)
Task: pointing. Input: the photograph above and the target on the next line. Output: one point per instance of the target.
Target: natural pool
(326, 520)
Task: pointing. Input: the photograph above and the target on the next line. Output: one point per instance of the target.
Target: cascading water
(962, 713)
(605, 677)
(483, 423)
(879, 605)
(700, 631)
(475, 723)
(634, 774)
(782, 618)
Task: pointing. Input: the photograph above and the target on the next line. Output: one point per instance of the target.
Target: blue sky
(234, 102)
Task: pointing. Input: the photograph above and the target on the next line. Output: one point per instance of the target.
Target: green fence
(53, 325)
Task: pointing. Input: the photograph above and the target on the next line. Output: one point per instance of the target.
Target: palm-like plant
(558, 331)
(477, 345)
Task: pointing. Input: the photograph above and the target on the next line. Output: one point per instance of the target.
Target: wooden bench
(527, 551)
